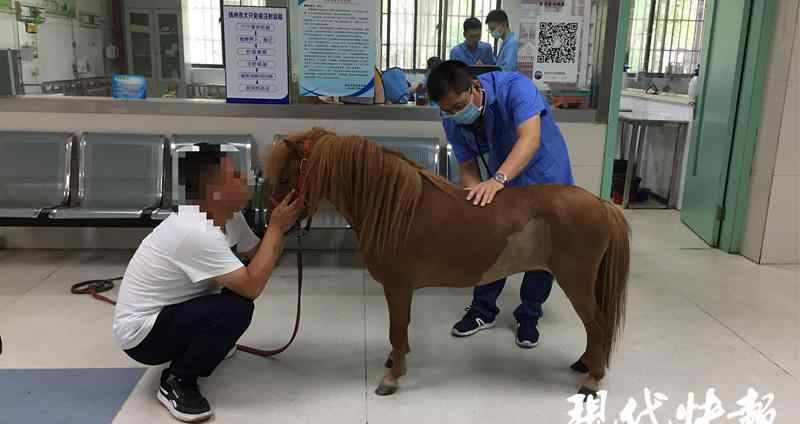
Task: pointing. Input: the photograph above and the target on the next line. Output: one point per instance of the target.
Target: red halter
(302, 173)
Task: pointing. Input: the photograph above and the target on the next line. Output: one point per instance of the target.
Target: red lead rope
(95, 287)
(268, 353)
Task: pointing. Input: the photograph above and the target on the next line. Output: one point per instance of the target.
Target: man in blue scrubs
(503, 115)
(497, 21)
(473, 51)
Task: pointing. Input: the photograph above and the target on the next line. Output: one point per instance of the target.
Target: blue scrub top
(484, 52)
(507, 56)
(511, 99)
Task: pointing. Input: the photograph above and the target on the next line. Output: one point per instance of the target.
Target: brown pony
(415, 229)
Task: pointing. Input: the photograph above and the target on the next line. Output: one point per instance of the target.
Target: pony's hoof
(587, 392)
(579, 366)
(385, 390)
(389, 363)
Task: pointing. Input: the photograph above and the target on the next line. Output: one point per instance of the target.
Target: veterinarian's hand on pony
(483, 193)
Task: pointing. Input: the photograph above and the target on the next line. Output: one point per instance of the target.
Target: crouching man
(185, 297)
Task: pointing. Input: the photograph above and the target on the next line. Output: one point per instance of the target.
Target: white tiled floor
(697, 319)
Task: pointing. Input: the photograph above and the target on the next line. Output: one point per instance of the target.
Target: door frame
(745, 127)
(612, 128)
(748, 121)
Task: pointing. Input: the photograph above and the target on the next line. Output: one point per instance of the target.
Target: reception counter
(219, 108)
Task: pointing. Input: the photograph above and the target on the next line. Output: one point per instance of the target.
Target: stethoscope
(476, 129)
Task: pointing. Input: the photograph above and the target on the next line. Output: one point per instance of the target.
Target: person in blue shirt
(473, 51)
(497, 21)
(502, 115)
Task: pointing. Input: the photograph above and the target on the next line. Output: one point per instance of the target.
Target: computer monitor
(477, 70)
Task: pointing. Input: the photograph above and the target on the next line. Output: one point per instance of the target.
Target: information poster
(256, 54)
(338, 47)
(555, 40)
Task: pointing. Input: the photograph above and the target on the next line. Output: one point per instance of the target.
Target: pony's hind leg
(399, 301)
(578, 285)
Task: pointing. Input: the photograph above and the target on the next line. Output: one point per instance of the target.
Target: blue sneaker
(527, 335)
(472, 322)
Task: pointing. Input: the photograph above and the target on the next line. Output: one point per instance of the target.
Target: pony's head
(377, 190)
(286, 165)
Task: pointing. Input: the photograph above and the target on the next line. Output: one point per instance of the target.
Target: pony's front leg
(399, 301)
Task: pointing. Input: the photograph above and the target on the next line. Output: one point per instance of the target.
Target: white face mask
(466, 116)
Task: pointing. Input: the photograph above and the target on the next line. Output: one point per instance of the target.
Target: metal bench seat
(34, 172)
(120, 177)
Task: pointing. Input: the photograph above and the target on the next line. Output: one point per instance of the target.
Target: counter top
(681, 99)
(665, 118)
(644, 108)
(219, 108)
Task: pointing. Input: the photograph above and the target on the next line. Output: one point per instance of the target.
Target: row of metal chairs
(107, 179)
(97, 179)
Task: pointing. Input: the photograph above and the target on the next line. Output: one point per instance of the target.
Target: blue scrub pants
(536, 286)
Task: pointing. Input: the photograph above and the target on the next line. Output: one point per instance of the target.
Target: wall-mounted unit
(155, 49)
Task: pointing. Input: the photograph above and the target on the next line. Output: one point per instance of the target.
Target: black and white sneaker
(472, 322)
(527, 335)
(183, 399)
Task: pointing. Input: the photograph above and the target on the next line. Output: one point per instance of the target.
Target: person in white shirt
(186, 298)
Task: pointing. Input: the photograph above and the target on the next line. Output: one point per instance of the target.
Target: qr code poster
(555, 41)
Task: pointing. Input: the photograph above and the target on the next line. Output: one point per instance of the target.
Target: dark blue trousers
(536, 286)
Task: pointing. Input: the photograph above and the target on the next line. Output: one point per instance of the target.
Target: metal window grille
(414, 30)
(205, 31)
(665, 36)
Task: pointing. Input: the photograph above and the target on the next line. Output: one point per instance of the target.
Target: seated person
(473, 51)
(185, 297)
(433, 62)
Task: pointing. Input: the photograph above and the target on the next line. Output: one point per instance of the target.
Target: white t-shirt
(175, 263)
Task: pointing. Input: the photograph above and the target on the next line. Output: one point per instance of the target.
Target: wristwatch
(501, 178)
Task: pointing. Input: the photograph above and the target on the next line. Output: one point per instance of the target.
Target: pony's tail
(612, 280)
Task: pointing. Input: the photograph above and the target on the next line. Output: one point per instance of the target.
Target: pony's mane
(379, 188)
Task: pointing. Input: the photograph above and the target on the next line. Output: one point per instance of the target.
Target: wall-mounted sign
(337, 39)
(256, 54)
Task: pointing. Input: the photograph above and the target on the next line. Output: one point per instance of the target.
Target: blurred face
(472, 37)
(228, 187)
(498, 27)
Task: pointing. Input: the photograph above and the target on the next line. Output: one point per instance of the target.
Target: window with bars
(205, 31)
(414, 30)
(665, 36)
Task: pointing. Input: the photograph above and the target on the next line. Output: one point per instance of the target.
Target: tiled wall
(772, 229)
